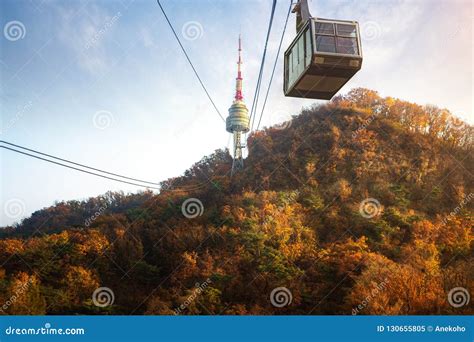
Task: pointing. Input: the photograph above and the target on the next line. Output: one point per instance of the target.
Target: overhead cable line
(77, 169)
(257, 88)
(274, 65)
(161, 188)
(189, 60)
(81, 165)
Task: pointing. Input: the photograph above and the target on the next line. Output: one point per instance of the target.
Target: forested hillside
(359, 206)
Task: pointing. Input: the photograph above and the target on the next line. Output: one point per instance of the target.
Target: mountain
(362, 205)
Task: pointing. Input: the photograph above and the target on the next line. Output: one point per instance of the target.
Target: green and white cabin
(323, 57)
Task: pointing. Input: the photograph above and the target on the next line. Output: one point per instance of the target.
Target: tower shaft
(238, 162)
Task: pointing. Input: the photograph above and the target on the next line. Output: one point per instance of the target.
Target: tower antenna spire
(238, 120)
(238, 85)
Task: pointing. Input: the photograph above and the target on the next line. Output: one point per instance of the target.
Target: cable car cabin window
(308, 49)
(343, 40)
(325, 44)
(347, 46)
(294, 60)
(301, 55)
(299, 67)
(293, 63)
(346, 30)
(325, 28)
(298, 59)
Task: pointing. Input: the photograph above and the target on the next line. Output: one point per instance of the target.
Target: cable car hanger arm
(302, 14)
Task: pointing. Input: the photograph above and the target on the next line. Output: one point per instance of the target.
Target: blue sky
(104, 83)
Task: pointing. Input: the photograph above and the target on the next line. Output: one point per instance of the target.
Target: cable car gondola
(323, 57)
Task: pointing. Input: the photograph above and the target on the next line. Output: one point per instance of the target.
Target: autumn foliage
(293, 218)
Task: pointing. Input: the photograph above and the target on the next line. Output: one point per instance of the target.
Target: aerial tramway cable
(189, 60)
(262, 64)
(274, 65)
(78, 169)
(81, 165)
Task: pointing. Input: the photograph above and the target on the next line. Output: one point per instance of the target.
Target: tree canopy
(362, 205)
